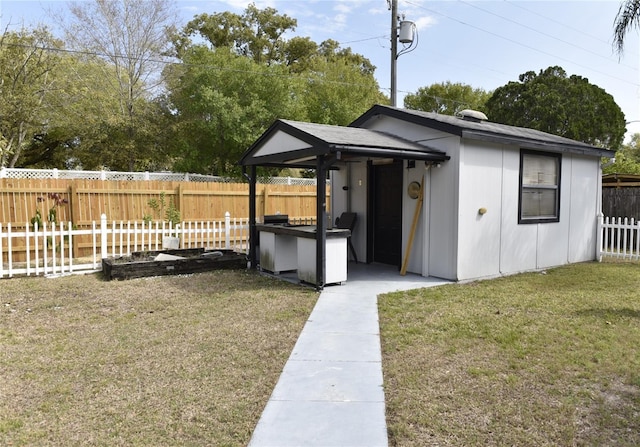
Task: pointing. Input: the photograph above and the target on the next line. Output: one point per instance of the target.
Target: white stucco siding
(518, 243)
(421, 175)
(358, 191)
(480, 188)
(553, 238)
(584, 210)
(338, 194)
(353, 176)
(527, 247)
(280, 142)
(441, 204)
(439, 221)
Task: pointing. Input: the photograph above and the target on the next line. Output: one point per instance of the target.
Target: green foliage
(160, 207)
(338, 86)
(256, 34)
(628, 17)
(217, 105)
(230, 89)
(447, 98)
(52, 213)
(27, 78)
(627, 159)
(89, 110)
(63, 110)
(132, 38)
(555, 103)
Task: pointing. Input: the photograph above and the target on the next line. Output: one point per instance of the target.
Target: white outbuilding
(454, 197)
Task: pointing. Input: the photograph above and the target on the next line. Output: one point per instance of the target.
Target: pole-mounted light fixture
(404, 31)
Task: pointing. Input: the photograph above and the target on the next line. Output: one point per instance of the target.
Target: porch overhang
(296, 144)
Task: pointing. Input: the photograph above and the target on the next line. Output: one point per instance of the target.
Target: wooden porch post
(253, 259)
(321, 218)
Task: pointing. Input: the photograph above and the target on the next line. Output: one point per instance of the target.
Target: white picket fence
(49, 250)
(619, 238)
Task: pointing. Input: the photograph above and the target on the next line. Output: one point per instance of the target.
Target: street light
(404, 31)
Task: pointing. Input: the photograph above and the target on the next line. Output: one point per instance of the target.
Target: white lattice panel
(18, 173)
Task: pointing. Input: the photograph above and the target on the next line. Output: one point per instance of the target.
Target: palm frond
(628, 17)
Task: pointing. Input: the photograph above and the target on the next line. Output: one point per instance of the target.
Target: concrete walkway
(330, 392)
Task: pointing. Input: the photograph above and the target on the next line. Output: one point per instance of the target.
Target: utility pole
(394, 50)
(405, 33)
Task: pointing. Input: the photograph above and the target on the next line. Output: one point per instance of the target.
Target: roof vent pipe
(472, 115)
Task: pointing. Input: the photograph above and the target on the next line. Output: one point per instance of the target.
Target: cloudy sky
(483, 43)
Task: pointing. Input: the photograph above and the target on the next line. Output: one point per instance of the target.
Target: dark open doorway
(384, 242)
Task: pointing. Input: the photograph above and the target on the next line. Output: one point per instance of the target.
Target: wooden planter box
(143, 263)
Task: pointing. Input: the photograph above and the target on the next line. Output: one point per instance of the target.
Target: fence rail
(620, 238)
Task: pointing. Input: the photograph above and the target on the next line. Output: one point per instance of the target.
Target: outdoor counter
(288, 248)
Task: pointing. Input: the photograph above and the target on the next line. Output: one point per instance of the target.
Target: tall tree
(133, 37)
(447, 98)
(628, 17)
(241, 74)
(75, 112)
(563, 105)
(218, 103)
(337, 85)
(27, 79)
(257, 34)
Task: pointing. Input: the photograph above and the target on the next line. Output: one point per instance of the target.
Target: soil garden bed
(171, 262)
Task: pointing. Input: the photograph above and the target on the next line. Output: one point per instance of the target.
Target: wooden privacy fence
(621, 195)
(82, 201)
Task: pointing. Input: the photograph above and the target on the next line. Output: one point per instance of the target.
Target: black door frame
(371, 204)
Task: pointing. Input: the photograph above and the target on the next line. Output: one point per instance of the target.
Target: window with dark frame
(539, 187)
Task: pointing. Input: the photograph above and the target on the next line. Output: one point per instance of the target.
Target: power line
(182, 64)
(530, 28)
(364, 40)
(520, 43)
(516, 4)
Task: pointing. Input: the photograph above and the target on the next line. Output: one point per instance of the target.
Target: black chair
(347, 221)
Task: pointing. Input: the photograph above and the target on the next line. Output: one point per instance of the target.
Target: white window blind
(539, 190)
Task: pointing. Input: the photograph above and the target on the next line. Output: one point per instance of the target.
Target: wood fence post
(179, 200)
(265, 197)
(74, 209)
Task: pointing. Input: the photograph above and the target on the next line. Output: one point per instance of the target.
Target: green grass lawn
(527, 360)
(185, 360)
(538, 359)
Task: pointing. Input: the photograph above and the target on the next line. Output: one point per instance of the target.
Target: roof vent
(472, 115)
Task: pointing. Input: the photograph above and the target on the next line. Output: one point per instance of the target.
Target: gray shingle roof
(354, 136)
(485, 130)
(340, 141)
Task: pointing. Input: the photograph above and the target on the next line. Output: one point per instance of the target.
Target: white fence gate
(49, 250)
